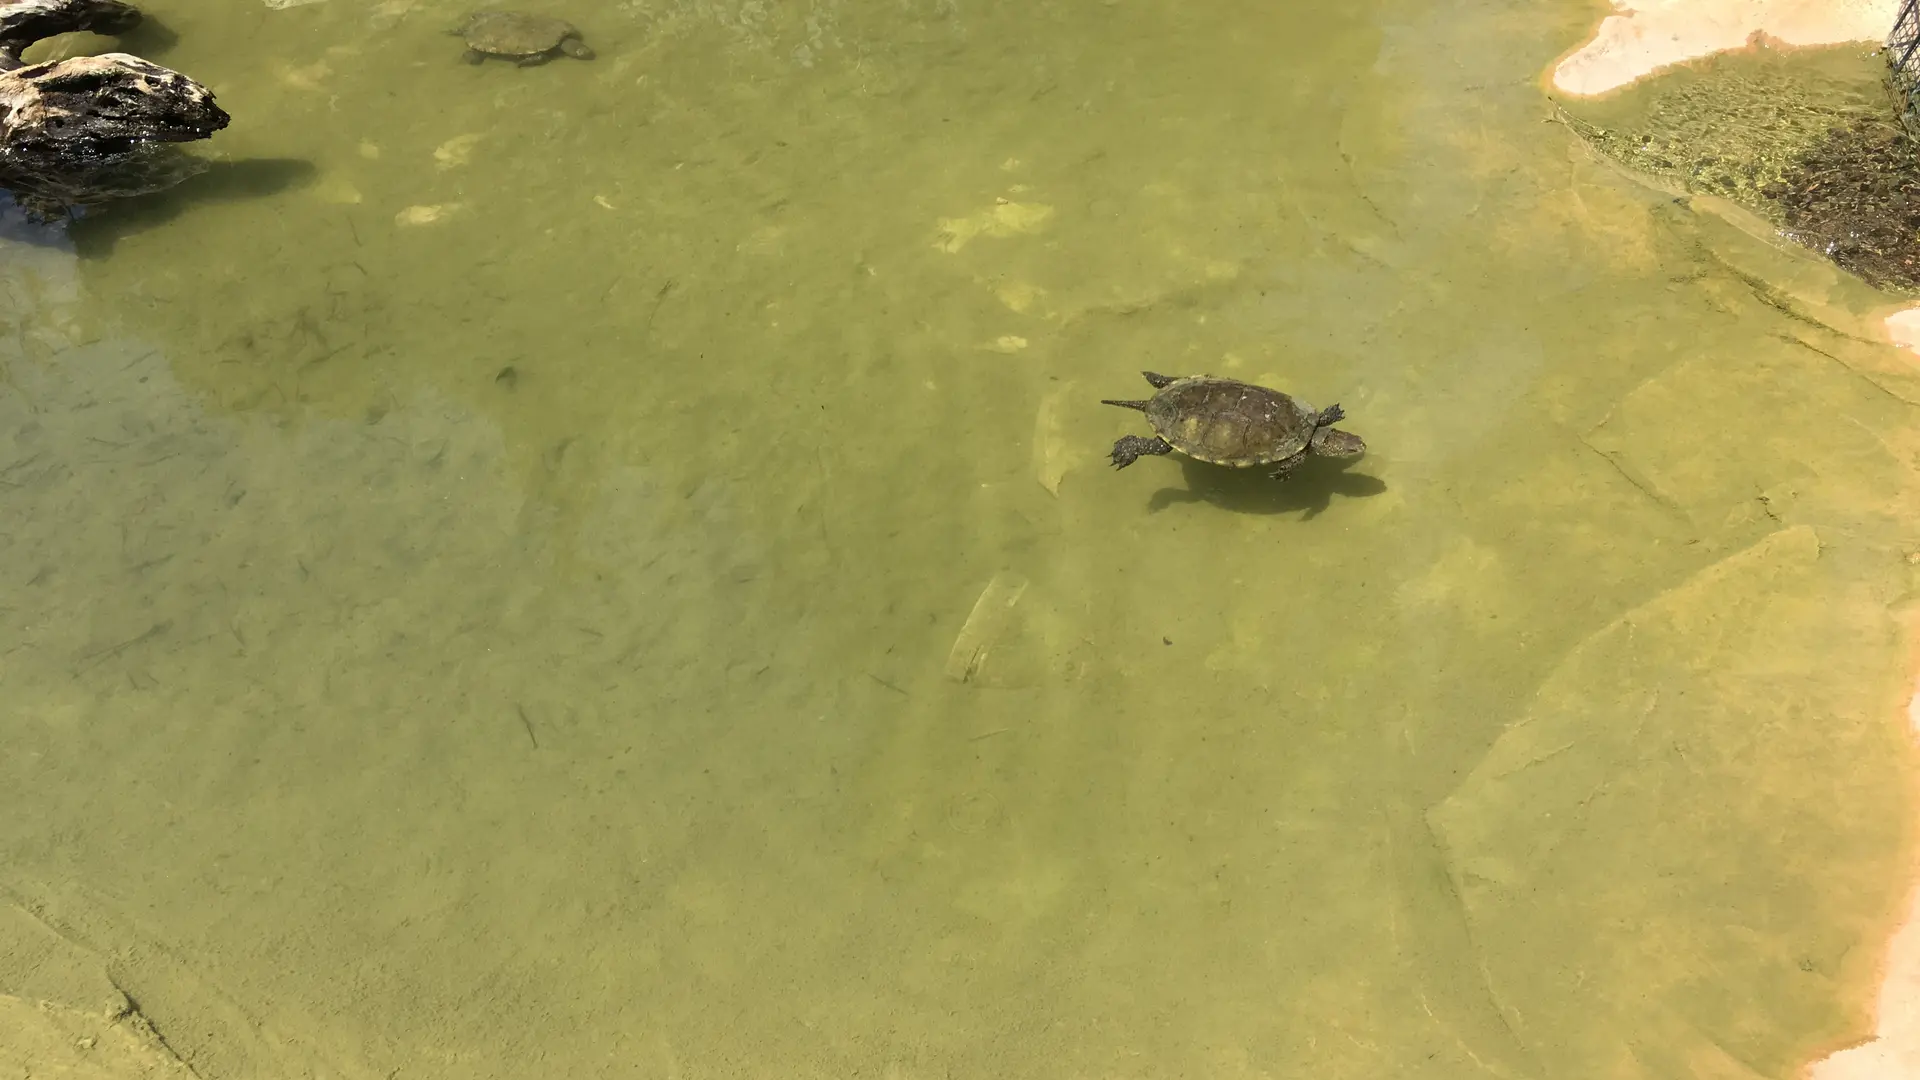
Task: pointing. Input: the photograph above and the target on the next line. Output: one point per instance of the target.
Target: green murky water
(609, 569)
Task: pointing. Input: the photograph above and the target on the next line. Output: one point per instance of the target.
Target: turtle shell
(1227, 422)
(510, 33)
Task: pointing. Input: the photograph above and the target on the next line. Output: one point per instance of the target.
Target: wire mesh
(1903, 65)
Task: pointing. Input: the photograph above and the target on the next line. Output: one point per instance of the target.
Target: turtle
(525, 39)
(1232, 423)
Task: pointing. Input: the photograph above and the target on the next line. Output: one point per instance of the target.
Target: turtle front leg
(535, 60)
(1131, 447)
(1285, 466)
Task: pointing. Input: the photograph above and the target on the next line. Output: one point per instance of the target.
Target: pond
(611, 568)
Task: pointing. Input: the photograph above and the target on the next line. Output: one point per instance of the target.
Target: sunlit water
(610, 569)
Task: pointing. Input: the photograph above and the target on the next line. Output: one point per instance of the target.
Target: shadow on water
(1311, 488)
(148, 39)
(222, 181)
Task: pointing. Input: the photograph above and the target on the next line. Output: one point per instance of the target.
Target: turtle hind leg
(1159, 381)
(1131, 447)
(1285, 466)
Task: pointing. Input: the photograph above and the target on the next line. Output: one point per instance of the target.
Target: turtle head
(1329, 441)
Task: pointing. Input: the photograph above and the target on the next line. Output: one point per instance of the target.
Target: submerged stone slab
(1703, 815)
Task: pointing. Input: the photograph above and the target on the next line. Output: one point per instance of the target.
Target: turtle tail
(1140, 405)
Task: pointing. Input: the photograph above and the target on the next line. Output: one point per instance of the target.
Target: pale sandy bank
(1650, 34)
(1894, 1051)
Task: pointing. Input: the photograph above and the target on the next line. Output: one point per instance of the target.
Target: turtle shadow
(94, 234)
(1311, 488)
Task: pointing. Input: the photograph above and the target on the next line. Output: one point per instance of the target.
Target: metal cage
(1903, 65)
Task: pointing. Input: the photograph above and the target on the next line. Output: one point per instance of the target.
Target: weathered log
(79, 131)
(87, 109)
(23, 22)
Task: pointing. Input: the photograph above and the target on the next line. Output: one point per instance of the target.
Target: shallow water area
(611, 568)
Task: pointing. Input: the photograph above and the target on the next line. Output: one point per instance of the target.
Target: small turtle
(525, 39)
(1227, 422)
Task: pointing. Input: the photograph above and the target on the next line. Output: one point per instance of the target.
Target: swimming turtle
(525, 39)
(1228, 422)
